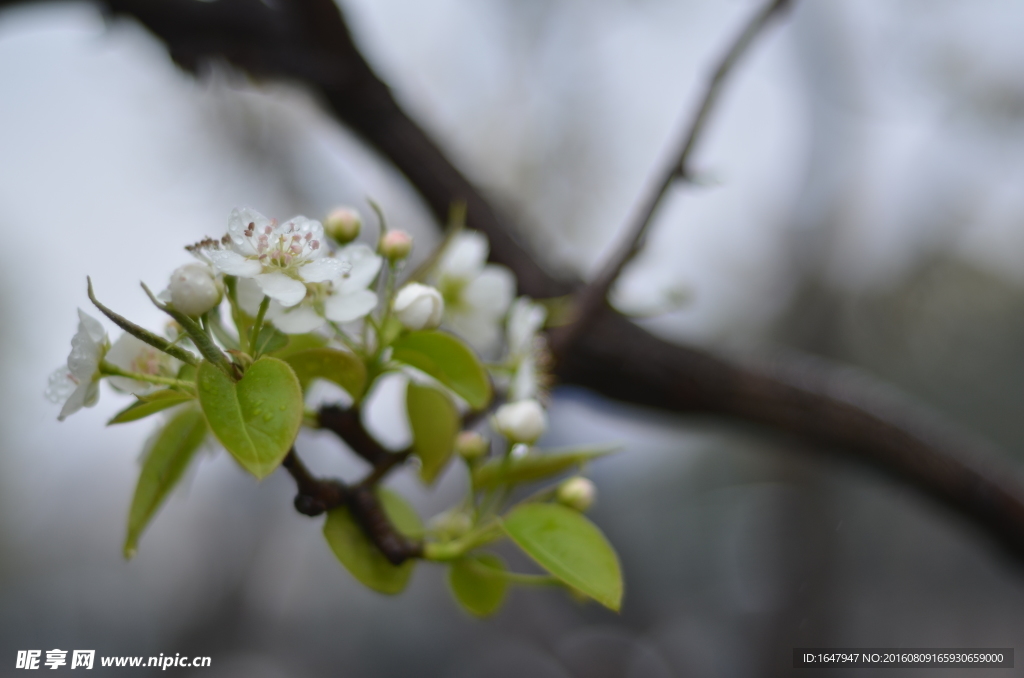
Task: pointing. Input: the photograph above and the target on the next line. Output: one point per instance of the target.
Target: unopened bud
(419, 307)
(343, 225)
(452, 525)
(194, 290)
(522, 421)
(396, 245)
(471, 445)
(577, 493)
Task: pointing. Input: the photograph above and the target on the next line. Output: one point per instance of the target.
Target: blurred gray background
(861, 198)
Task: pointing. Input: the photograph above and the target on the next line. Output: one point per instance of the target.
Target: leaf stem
(110, 369)
(254, 333)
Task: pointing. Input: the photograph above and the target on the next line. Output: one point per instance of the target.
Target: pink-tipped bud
(342, 225)
(396, 245)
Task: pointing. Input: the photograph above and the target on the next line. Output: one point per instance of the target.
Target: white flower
(193, 290)
(78, 385)
(341, 300)
(419, 307)
(134, 355)
(476, 294)
(525, 348)
(281, 258)
(523, 421)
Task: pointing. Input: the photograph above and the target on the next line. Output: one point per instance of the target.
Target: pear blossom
(526, 350)
(344, 299)
(523, 421)
(419, 307)
(280, 258)
(78, 385)
(476, 294)
(134, 355)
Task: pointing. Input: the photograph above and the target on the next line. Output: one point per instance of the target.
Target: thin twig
(592, 299)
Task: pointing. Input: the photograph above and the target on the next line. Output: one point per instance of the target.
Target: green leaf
(435, 422)
(358, 554)
(570, 547)
(270, 339)
(342, 367)
(300, 342)
(255, 419)
(166, 460)
(448, 360)
(151, 403)
(478, 584)
(533, 466)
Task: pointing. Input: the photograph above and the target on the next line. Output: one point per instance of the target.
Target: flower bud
(577, 493)
(193, 289)
(471, 445)
(419, 307)
(522, 421)
(343, 225)
(396, 245)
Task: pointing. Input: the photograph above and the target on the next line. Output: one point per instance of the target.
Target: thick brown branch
(593, 298)
(307, 40)
(347, 425)
(317, 495)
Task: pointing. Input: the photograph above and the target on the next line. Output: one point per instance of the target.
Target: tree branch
(307, 40)
(593, 298)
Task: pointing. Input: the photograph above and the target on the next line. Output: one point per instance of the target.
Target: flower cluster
(271, 307)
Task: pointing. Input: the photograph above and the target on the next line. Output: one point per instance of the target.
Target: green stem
(515, 577)
(453, 550)
(254, 333)
(198, 336)
(112, 370)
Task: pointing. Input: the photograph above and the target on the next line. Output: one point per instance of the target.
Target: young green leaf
(478, 584)
(533, 466)
(257, 418)
(570, 547)
(448, 360)
(166, 460)
(342, 367)
(158, 401)
(358, 554)
(435, 423)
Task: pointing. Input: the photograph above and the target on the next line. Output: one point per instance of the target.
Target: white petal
(91, 326)
(239, 222)
(480, 331)
(249, 296)
(324, 269)
(491, 292)
(465, 256)
(342, 308)
(60, 386)
(86, 350)
(298, 320)
(524, 321)
(77, 400)
(365, 266)
(230, 262)
(287, 291)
